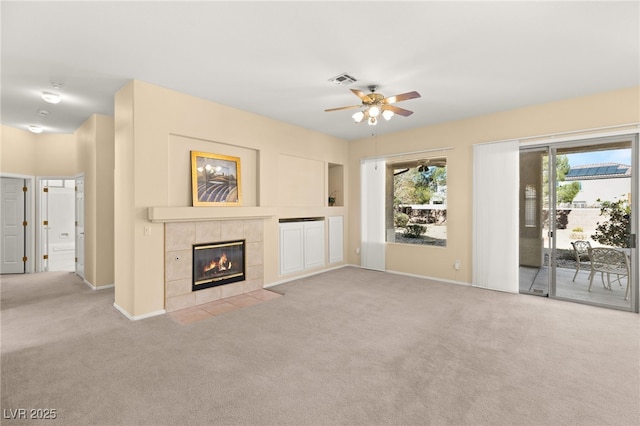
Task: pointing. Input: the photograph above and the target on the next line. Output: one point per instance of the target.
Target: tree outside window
(419, 202)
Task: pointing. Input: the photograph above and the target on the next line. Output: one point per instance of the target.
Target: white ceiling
(275, 58)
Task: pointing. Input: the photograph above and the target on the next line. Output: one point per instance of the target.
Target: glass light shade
(35, 129)
(358, 116)
(372, 121)
(387, 114)
(52, 98)
(374, 111)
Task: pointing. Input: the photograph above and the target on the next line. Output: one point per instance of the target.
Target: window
(530, 206)
(417, 202)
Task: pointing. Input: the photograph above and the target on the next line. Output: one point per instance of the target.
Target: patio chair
(581, 252)
(609, 261)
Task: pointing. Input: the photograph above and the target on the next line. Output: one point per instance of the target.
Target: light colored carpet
(346, 347)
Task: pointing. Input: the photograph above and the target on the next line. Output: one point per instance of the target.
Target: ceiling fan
(375, 104)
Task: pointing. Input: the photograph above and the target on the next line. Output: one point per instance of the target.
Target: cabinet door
(313, 244)
(336, 239)
(291, 247)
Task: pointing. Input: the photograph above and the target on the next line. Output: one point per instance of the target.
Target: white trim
(596, 132)
(138, 317)
(403, 154)
(297, 277)
(426, 277)
(16, 175)
(30, 231)
(102, 287)
(575, 137)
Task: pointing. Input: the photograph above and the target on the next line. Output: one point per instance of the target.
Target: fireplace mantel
(195, 214)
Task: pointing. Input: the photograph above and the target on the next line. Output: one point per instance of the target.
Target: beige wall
(155, 130)
(105, 160)
(607, 109)
(88, 151)
(95, 147)
(124, 200)
(30, 154)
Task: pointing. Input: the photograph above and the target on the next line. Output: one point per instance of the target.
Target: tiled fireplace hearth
(180, 238)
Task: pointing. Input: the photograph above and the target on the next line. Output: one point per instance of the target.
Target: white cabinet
(336, 239)
(291, 247)
(313, 244)
(301, 246)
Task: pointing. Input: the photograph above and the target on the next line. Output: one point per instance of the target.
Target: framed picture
(215, 179)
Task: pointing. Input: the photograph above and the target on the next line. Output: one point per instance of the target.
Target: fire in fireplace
(217, 264)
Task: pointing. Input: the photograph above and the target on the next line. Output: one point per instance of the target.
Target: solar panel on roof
(595, 171)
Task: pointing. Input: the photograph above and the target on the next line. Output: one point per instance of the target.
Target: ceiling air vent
(343, 79)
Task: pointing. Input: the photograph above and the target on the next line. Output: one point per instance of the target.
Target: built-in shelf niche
(336, 183)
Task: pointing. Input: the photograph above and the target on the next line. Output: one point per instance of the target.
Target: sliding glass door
(577, 224)
(535, 244)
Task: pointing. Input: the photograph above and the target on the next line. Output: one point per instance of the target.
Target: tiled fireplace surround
(179, 238)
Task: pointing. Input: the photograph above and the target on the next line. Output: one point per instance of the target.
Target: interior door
(12, 232)
(80, 226)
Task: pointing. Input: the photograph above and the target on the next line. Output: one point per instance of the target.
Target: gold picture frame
(215, 179)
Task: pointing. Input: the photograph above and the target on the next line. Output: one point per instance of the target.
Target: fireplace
(218, 264)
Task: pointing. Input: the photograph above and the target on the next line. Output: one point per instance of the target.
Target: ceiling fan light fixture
(374, 104)
(52, 98)
(374, 111)
(358, 116)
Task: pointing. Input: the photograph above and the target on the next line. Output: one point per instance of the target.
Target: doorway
(57, 232)
(576, 202)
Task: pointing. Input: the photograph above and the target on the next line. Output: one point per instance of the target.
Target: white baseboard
(102, 287)
(137, 317)
(426, 277)
(297, 277)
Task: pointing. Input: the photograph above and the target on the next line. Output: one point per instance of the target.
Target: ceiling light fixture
(52, 98)
(374, 104)
(35, 129)
(373, 110)
(387, 114)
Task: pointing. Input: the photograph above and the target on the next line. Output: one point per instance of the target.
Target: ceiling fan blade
(359, 93)
(402, 97)
(339, 108)
(400, 111)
